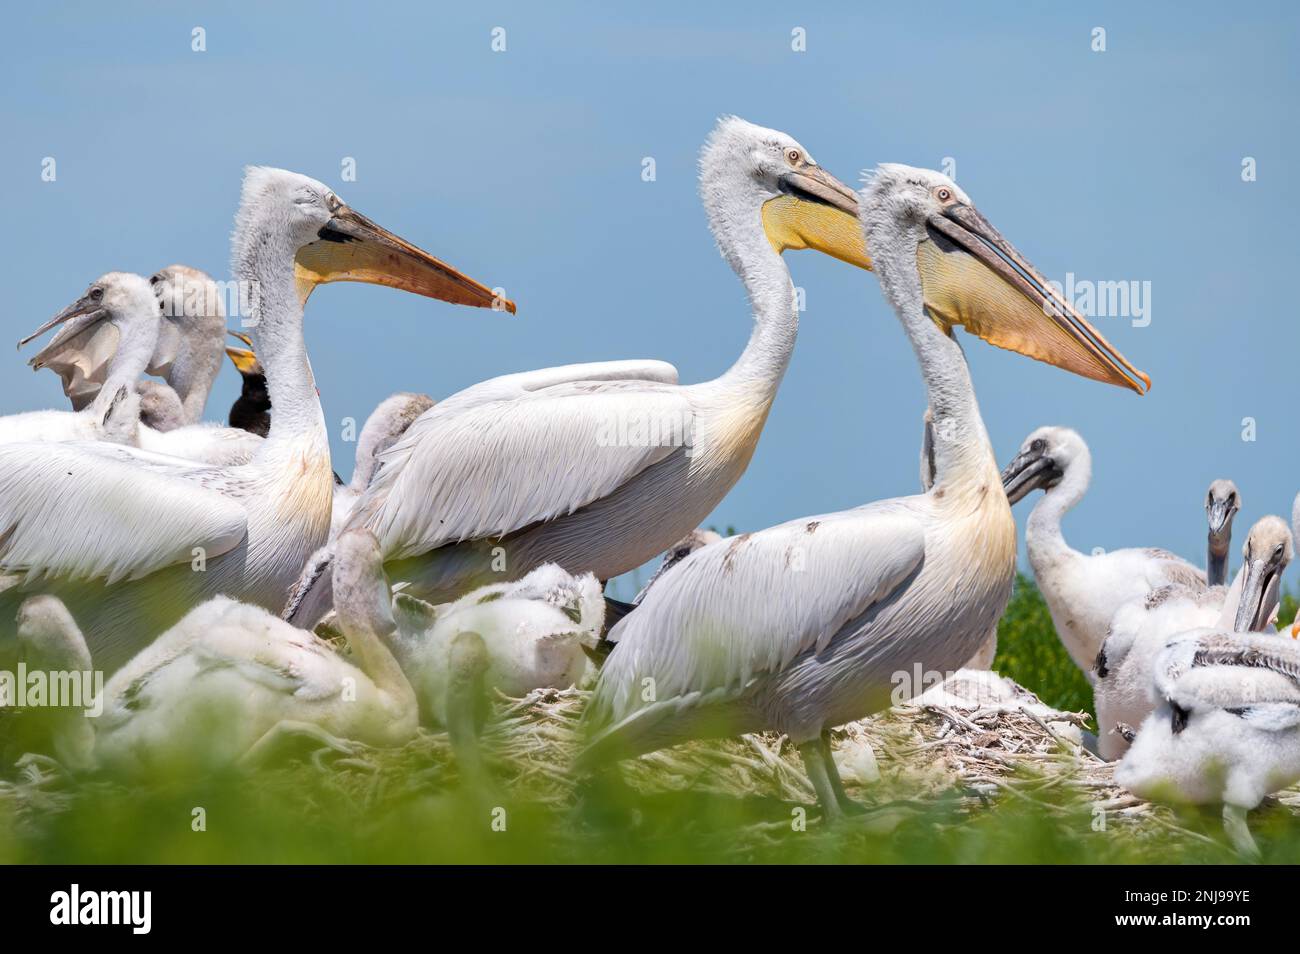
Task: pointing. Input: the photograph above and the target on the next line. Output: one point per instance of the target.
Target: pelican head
(121, 298)
(1044, 458)
(749, 172)
(331, 242)
(383, 428)
(971, 276)
(1267, 552)
(190, 299)
(1221, 505)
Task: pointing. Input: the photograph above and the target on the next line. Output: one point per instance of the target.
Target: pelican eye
(793, 156)
(943, 194)
(96, 294)
(333, 202)
(1038, 446)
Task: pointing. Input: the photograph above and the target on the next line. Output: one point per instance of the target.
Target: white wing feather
(471, 468)
(88, 511)
(751, 604)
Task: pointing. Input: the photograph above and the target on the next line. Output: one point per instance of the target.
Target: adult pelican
(120, 301)
(1142, 627)
(130, 540)
(599, 467)
(805, 625)
(1083, 591)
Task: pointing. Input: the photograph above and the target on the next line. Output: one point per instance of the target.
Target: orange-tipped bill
(973, 277)
(351, 248)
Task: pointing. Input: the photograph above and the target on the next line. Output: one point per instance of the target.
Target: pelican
(130, 320)
(1226, 726)
(125, 303)
(187, 353)
(529, 633)
(1083, 592)
(1142, 627)
(1222, 502)
(599, 467)
(129, 540)
(230, 680)
(801, 627)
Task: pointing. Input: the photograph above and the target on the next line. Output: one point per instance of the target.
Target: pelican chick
(230, 680)
(803, 626)
(1141, 629)
(383, 428)
(1225, 729)
(125, 303)
(1083, 592)
(531, 633)
(1222, 502)
(186, 355)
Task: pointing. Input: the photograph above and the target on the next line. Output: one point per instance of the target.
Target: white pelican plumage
(530, 632)
(984, 656)
(384, 427)
(230, 679)
(599, 467)
(130, 540)
(1226, 725)
(1142, 627)
(1083, 591)
(125, 303)
(803, 626)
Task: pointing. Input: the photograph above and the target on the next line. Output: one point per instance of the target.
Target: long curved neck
(193, 372)
(961, 449)
(278, 340)
(745, 245)
(1043, 536)
(139, 338)
(1216, 563)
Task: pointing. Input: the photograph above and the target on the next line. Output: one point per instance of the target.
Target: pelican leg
(1238, 831)
(467, 703)
(847, 805)
(276, 741)
(814, 763)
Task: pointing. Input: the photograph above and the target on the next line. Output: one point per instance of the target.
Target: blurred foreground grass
(396, 810)
(299, 816)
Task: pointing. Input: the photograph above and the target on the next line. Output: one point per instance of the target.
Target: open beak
(351, 248)
(77, 317)
(972, 276)
(1029, 471)
(817, 211)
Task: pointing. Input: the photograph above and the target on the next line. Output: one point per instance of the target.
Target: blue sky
(524, 169)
